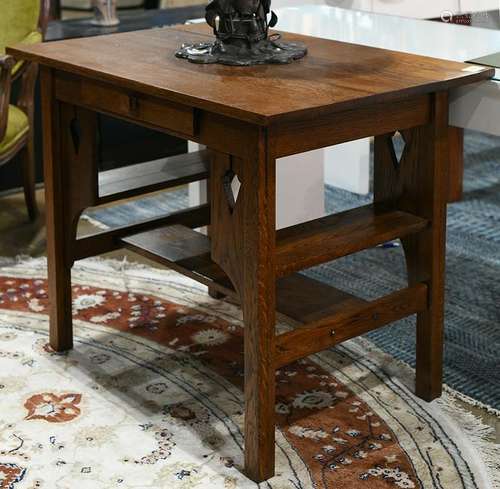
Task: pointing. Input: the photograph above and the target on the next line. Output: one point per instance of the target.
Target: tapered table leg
(243, 243)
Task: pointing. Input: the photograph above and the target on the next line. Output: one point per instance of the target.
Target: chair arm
(26, 98)
(33, 37)
(6, 65)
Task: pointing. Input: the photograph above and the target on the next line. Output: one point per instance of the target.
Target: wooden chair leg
(27, 157)
(55, 10)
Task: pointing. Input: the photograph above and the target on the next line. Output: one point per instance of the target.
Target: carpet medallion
(151, 397)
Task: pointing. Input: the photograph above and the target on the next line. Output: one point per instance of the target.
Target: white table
(418, 9)
(471, 108)
(475, 107)
(347, 166)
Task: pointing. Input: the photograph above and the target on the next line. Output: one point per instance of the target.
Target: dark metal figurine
(241, 28)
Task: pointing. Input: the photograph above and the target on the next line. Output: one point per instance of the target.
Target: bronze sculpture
(241, 28)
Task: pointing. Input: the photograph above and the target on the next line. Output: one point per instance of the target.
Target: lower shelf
(328, 238)
(142, 178)
(301, 298)
(324, 315)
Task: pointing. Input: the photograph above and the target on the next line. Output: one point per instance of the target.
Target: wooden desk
(249, 117)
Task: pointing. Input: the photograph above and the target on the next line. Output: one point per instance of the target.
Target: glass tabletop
(485, 20)
(489, 19)
(451, 41)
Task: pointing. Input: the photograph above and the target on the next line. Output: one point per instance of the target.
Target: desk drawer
(131, 105)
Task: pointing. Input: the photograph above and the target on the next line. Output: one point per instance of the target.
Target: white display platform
(347, 166)
(474, 107)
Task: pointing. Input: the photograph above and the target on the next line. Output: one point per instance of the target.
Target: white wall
(348, 166)
(300, 194)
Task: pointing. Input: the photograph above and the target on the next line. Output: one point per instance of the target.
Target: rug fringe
(6, 262)
(470, 401)
(114, 264)
(472, 428)
(480, 434)
(19, 260)
(400, 364)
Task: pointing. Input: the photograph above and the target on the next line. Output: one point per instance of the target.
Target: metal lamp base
(267, 51)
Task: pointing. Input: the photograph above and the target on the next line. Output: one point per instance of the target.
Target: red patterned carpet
(151, 397)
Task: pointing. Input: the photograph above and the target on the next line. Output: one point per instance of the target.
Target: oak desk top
(334, 76)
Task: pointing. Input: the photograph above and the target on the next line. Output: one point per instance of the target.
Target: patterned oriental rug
(151, 398)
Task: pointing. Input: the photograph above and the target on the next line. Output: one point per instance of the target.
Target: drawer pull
(140, 107)
(133, 103)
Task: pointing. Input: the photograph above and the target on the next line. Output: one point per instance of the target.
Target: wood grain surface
(334, 76)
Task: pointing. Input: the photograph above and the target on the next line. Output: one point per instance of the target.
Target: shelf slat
(301, 298)
(142, 178)
(331, 237)
(183, 250)
(305, 299)
(325, 316)
(109, 240)
(353, 321)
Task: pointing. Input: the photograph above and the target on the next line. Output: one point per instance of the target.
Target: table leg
(243, 244)
(70, 186)
(212, 292)
(418, 184)
(456, 169)
(426, 257)
(259, 312)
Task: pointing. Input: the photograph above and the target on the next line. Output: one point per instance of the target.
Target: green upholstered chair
(21, 21)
